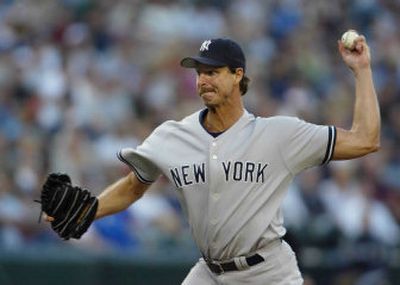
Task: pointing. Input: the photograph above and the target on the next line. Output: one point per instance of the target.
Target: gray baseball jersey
(231, 186)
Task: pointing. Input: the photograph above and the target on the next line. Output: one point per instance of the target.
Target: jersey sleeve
(143, 160)
(146, 171)
(305, 144)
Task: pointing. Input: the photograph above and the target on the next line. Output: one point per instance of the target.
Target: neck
(221, 119)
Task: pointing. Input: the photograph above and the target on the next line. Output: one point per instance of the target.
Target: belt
(220, 268)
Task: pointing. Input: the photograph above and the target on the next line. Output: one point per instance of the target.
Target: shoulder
(279, 121)
(285, 127)
(171, 126)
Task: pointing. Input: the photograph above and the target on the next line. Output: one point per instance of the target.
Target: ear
(239, 73)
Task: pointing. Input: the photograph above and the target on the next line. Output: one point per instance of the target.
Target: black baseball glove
(72, 207)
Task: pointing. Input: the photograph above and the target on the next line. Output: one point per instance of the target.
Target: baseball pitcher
(231, 169)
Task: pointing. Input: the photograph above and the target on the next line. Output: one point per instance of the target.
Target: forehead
(205, 67)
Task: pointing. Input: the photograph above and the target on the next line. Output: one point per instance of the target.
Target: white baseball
(348, 39)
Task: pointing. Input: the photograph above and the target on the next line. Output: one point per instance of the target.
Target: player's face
(214, 84)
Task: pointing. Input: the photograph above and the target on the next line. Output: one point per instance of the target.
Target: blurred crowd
(80, 79)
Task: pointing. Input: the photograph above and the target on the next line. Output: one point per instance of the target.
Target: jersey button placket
(214, 196)
(213, 152)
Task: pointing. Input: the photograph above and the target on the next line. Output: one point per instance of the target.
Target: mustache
(205, 90)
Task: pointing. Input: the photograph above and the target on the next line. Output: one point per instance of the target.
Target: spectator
(354, 208)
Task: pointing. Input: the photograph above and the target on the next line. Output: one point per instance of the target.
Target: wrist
(362, 72)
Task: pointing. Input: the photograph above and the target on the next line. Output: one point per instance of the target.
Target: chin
(209, 103)
(209, 99)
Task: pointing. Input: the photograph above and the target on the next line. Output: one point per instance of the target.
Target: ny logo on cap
(204, 45)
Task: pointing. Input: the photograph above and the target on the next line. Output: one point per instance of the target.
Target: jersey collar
(246, 116)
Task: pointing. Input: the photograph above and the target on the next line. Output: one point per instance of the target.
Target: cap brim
(194, 61)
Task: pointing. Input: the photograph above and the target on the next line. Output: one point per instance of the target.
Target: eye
(211, 72)
(207, 72)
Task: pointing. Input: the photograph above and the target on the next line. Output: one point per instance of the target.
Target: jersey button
(216, 196)
(214, 144)
(214, 156)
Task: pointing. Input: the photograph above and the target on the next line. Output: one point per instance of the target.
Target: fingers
(360, 38)
(48, 218)
(360, 47)
(341, 47)
(358, 57)
(343, 50)
(360, 43)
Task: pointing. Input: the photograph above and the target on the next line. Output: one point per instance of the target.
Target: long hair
(244, 83)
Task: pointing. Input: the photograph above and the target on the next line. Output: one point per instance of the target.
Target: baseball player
(232, 169)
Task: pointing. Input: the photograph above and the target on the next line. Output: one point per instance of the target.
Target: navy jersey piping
(330, 148)
(141, 178)
(202, 116)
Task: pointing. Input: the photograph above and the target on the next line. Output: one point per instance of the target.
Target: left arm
(364, 135)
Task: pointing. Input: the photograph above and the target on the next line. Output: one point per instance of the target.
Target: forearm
(120, 195)
(366, 121)
(364, 135)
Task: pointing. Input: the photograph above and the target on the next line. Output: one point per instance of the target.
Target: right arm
(120, 195)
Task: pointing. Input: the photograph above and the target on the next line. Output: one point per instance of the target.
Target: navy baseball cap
(218, 53)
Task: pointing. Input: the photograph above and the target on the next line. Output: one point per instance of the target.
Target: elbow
(376, 143)
(364, 149)
(370, 141)
(377, 147)
(136, 189)
(372, 146)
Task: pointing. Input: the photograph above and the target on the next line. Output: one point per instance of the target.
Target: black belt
(219, 268)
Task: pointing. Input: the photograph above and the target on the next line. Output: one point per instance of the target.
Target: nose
(202, 79)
